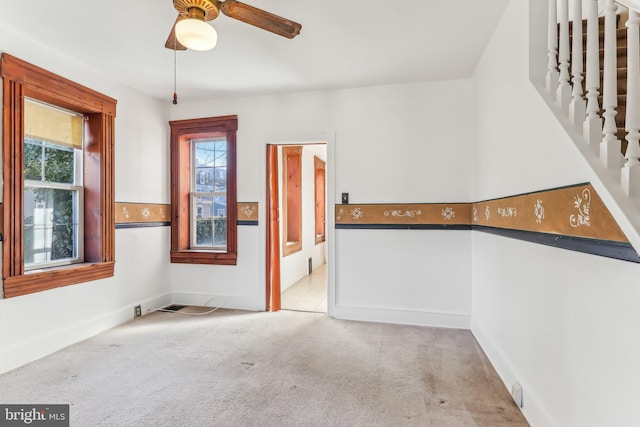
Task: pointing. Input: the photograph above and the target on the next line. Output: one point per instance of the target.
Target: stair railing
(574, 62)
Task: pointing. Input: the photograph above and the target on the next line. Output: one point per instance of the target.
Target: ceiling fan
(190, 31)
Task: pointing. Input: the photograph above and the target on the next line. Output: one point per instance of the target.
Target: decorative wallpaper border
(134, 215)
(138, 215)
(406, 216)
(248, 213)
(575, 211)
(572, 217)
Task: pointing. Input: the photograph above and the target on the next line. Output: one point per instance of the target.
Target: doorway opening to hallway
(296, 227)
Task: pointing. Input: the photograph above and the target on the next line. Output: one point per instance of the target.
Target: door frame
(272, 265)
(272, 246)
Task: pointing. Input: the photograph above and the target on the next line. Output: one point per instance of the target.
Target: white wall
(296, 266)
(32, 326)
(558, 322)
(393, 144)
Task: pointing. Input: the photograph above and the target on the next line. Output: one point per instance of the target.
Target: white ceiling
(343, 44)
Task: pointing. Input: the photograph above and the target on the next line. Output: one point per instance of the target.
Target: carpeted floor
(234, 368)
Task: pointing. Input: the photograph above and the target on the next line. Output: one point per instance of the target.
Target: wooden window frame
(292, 188)
(182, 131)
(320, 199)
(20, 80)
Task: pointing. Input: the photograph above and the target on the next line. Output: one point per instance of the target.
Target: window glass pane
(210, 166)
(204, 232)
(220, 183)
(211, 232)
(204, 179)
(58, 165)
(211, 222)
(220, 233)
(205, 154)
(221, 153)
(50, 228)
(33, 160)
(220, 206)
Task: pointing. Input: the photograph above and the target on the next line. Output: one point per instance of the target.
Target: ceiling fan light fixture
(194, 33)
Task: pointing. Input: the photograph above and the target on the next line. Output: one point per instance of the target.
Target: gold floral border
(248, 211)
(405, 214)
(572, 211)
(575, 211)
(127, 213)
(141, 213)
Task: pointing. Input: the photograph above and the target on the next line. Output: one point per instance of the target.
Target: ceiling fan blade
(261, 19)
(172, 42)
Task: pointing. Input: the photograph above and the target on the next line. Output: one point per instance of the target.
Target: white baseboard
(403, 317)
(236, 303)
(37, 347)
(532, 409)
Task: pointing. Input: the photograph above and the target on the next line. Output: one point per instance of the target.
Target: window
(209, 158)
(292, 201)
(319, 184)
(58, 180)
(203, 191)
(52, 186)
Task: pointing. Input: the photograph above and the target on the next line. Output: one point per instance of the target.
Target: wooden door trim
(273, 231)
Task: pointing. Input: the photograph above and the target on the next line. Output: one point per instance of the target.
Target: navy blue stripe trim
(142, 224)
(247, 222)
(606, 248)
(403, 227)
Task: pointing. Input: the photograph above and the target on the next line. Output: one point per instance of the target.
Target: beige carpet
(233, 368)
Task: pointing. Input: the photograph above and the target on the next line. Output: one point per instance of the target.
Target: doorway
(296, 210)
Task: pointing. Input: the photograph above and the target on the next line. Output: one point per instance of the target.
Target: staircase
(592, 84)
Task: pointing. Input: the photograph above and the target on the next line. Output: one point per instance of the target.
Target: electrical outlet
(345, 198)
(137, 311)
(516, 393)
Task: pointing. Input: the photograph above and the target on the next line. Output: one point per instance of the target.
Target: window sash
(199, 178)
(77, 221)
(214, 218)
(78, 213)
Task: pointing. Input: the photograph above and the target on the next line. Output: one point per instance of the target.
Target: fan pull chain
(175, 72)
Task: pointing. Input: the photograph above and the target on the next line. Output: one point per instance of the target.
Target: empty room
(312, 213)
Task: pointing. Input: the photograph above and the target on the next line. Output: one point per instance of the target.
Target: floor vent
(174, 307)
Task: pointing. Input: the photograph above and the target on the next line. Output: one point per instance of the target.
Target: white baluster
(631, 169)
(563, 93)
(592, 129)
(610, 146)
(577, 105)
(552, 48)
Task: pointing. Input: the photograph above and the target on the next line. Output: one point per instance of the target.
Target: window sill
(189, 256)
(56, 277)
(291, 248)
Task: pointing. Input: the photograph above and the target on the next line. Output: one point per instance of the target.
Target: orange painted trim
(273, 302)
